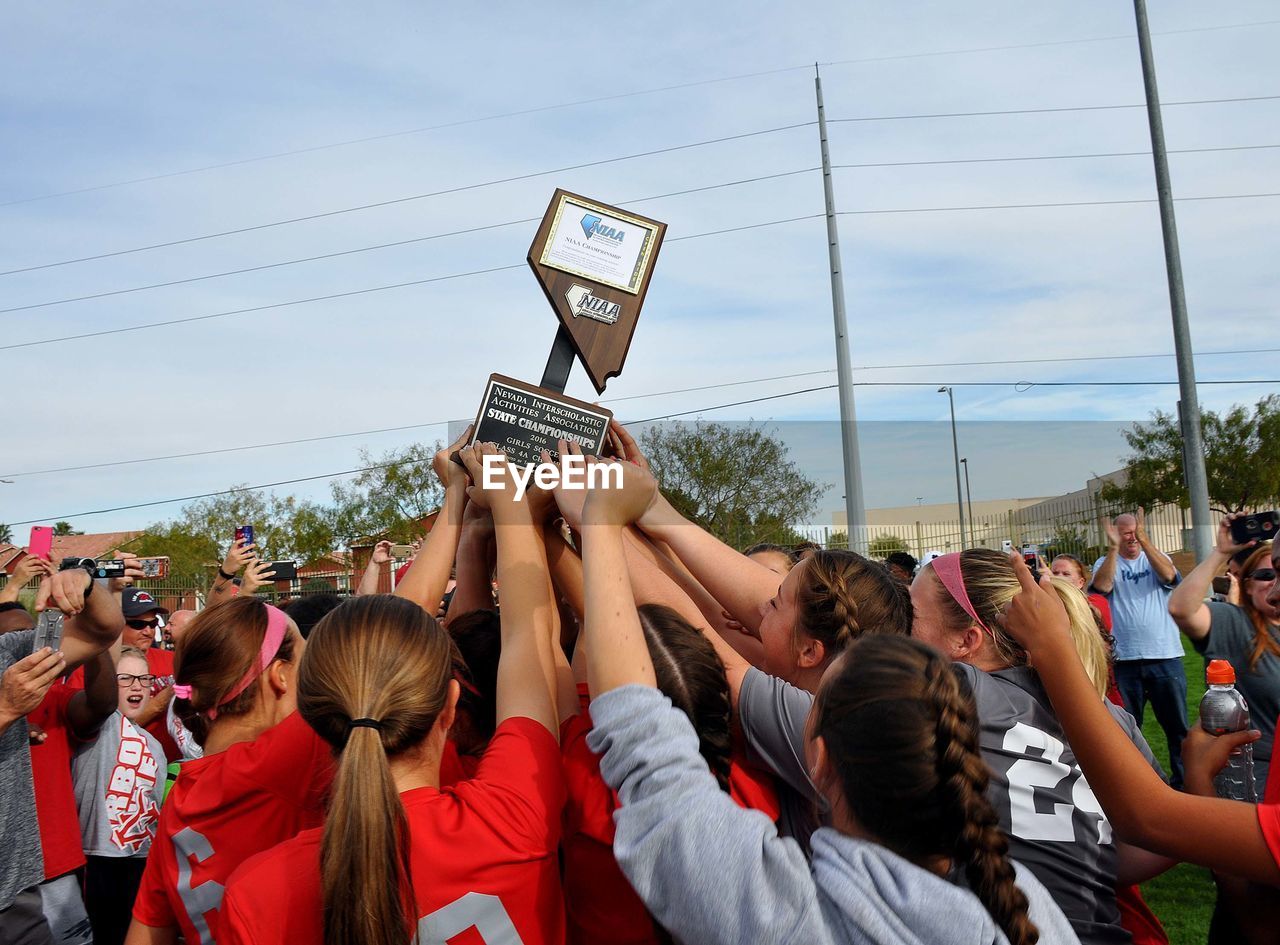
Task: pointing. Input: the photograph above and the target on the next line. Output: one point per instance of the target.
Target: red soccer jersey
(223, 809)
(483, 858)
(60, 840)
(601, 908)
(1269, 821)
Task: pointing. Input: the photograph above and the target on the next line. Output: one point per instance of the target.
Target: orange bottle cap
(1220, 673)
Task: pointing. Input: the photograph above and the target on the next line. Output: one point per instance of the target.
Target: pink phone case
(41, 543)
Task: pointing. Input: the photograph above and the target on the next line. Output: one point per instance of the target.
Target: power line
(1050, 157)
(1042, 206)
(354, 292)
(1047, 111)
(615, 400)
(378, 246)
(691, 236)
(606, 98)
(754, 400)
(412, 197)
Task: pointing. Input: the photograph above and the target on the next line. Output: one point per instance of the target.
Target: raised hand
(494, 484)
(381, 553)
(447, 471)
(1036, 613)
(28, 568)
(132, 571)
(64, 590)
(612, 504)
(625, 447)
(1141, 528)
(257, 574)
(239, 555)
(24, 684)
(1109, 529)
(1225, 544)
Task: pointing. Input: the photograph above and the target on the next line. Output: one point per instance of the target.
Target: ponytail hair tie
(182, 692)
(365, 723)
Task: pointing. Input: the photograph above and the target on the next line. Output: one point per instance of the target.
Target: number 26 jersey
(1055, 824)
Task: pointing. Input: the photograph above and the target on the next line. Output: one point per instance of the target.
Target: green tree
(64, 528)
(884, 545)
(735, 481)
(6, 533)
(1237, 444)
(838, 539)
(389, 499)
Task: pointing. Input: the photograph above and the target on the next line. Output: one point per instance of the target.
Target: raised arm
(1222, 835)
(93, 705)
(1161, 563)
(1186, 603)
(428, 576)
(223, 588)
(474, 564)
(28, 568)
(1104, 575)
(380, 555)
(526, 668)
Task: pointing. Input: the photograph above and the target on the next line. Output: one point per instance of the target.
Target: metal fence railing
(1068, 524)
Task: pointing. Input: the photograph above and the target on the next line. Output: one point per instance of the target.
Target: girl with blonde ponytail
(399, 858)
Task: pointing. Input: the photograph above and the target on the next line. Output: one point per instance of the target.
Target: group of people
(582, 718)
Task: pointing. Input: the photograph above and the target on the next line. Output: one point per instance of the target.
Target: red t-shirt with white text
(223, 809)
(483, 858)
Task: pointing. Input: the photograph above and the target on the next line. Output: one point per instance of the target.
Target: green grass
(1183, 897)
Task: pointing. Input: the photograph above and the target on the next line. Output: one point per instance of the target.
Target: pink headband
(277, 624)
(948, 570)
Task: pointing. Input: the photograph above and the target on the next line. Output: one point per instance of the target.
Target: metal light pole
(855, 508)
(955, 449)
(1192, 438)
(968, 497)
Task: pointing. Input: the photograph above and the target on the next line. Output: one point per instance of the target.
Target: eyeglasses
(142, 624)
(1262, 574)
(128, 679)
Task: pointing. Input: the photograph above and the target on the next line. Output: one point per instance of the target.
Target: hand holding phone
(1261, 526)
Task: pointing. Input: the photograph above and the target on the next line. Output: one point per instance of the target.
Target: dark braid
(981, 846)
(844, 595)
(902, 738)
(690, 674)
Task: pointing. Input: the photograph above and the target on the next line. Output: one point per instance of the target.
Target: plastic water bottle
(1224, 710)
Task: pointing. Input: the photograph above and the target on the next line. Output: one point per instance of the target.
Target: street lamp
(968, 496)
(955, 450)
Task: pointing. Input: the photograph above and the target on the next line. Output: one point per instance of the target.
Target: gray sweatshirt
(712, 872)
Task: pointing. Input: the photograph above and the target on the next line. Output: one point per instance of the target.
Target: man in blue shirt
(1137, 578)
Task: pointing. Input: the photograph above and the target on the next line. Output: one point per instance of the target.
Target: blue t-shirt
(1140, 611)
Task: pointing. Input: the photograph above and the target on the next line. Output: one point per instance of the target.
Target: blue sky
(97, 95)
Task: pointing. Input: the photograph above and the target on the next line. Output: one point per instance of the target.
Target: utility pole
(968, 498)
(855, 507)
(955, 450)
(1192, 438)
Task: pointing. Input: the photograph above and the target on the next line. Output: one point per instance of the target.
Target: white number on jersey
(207, 897)
(484, 912)
(1047, 771)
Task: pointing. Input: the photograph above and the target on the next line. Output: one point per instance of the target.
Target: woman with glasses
(119, 783)
(1247, 636)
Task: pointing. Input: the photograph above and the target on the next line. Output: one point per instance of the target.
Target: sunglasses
(128, 679)
(142, 624)
(1262, 574)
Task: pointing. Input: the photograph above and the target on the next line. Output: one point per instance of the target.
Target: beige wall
(907, 515)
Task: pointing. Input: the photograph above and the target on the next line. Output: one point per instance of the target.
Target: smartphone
(245, 533)
(155, 567)
(283, 570)
(401, 551)
(40, 545)
(1258, 527)
(48, 630)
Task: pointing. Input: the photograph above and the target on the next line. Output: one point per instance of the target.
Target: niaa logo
(583, 303)
(592, 225)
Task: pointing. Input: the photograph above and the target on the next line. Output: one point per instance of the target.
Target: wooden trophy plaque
(594, 263)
